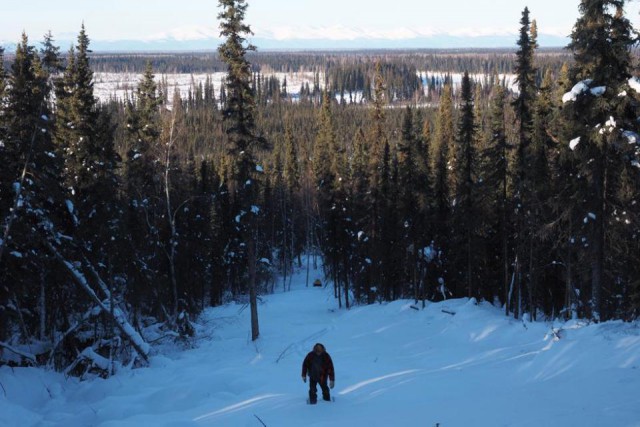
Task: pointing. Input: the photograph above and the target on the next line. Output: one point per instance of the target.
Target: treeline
(122, 219)
(186, 63)
(349, 76)
(475, 61)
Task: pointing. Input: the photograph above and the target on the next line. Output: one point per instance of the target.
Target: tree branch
(16, 203)
(27, 356)
(116, 315)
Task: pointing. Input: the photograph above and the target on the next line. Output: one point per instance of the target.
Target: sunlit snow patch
(574, 143)
(577, 90)
(634, 83)
(632, 137)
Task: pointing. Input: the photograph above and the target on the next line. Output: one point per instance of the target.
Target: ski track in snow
(395, 366)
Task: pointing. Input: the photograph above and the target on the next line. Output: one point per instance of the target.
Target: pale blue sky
(284, 19)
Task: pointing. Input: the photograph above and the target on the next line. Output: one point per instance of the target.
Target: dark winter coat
(318, 366)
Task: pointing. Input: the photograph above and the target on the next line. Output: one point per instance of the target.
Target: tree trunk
(171, 254)
(13, 215)
(112, 366)
(284, 246)
(138, 343)
(505, 249)
(346, 282)
(469, 264)
(43, 308)
(336, 285)
(532, 279)
(570, 304)
(292, 241)
(308, 266)
(416, 269)
(597, 246)
(253, 292)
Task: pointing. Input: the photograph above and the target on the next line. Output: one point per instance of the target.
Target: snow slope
(395, 366)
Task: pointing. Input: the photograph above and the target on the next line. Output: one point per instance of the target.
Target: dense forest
(122, 219)
(476, 61)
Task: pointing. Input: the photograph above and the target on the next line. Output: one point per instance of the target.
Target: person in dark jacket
(319, 366)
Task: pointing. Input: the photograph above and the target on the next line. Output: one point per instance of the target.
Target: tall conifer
(442, 152)
(523, 106)
(239, 117)
(601, 119)
(465, 209)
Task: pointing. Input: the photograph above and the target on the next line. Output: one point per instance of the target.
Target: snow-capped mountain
(188, 38)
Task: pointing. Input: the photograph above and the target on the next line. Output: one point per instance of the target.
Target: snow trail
(394, 366)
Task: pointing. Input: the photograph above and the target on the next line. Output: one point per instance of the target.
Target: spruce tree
(277, 209)
(496, 178)
(379, 172)
(84, 137)
(292, 176)
(26, 139)
(523, 105)
(465, 209)
(442, 153)
(424, 224)
(565, 206)
(88, 156)
(25, 99)
(408, 170)
(360, 207)
(50, 55)
(540, 195)
(389, 250)
(413, 188)
(239, 117)
(142, 135)
(291, 167)
(341, 222)
(52, 65)
(7, 171)
(324, 167)
(600, 114)
(3, 75)
(34, 197)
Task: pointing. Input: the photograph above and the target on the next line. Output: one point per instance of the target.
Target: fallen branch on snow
(22, 354)
(116, 315)
(262, 422)
(64, 336)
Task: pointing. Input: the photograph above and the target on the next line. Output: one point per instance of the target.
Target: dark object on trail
(317, 283)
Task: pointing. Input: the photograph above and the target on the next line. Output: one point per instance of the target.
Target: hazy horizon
(307, 24)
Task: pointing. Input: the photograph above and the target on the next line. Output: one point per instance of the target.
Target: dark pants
(313, 395)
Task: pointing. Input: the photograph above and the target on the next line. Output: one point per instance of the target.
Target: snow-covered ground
(456, 79)
(120, 85)
(454, 363)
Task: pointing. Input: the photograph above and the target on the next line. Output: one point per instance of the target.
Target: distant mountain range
(317, 39)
